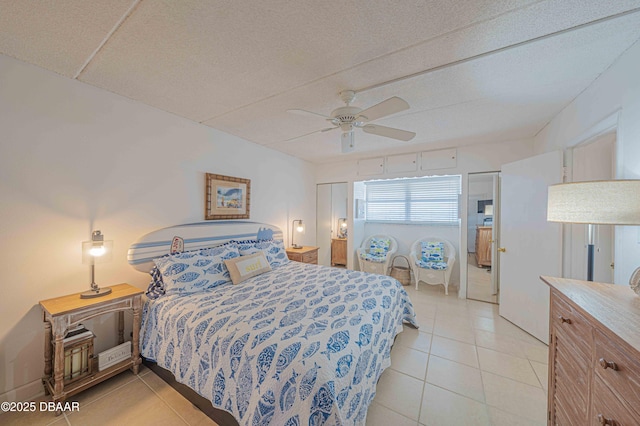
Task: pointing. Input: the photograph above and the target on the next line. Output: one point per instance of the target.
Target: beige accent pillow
(244, 267)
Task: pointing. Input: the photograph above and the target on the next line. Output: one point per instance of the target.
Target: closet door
(323, 230)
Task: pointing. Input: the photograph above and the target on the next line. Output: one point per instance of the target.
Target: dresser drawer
(304, 254)
(622, 373)
(310, 257)
(572, 324)
(295, 256)
(606, 408)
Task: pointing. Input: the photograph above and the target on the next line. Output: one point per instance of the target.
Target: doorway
(482, 225)
(331, 219)
(592, 160)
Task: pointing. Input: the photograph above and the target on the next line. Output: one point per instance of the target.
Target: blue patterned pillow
(247, 247)
(156, 286)
(432, 251)
(273, 249)
(379, 247)
(198, 270)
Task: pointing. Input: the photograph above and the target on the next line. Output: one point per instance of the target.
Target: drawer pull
(605, 421)
(608, 364)
(563, 319)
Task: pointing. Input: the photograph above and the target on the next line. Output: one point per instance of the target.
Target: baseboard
(24, 393)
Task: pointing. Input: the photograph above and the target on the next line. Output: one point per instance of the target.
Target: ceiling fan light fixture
(348, 118)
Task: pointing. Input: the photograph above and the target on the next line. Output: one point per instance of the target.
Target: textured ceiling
(481, 70)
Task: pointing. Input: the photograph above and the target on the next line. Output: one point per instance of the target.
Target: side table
(61, 313)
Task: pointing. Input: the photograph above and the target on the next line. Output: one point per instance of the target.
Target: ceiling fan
(348, 118)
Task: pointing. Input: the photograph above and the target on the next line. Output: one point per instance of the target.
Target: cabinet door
(571, 364)
(571, 383)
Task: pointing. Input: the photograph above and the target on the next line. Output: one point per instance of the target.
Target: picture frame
(226, 197)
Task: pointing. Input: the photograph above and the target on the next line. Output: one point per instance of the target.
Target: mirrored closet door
(482, 219)
(331, 219)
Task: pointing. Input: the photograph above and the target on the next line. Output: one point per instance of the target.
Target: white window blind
(431, 200)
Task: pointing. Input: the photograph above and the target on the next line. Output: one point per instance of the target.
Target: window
(427, 200)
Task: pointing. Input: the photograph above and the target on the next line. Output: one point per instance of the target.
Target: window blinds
(430, 200)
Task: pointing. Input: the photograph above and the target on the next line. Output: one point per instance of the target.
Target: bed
(298, 344)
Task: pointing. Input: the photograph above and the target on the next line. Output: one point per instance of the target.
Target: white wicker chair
(376, 267)
(433, 276)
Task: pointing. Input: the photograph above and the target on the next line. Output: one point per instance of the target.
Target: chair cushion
(370, 257)
(438, 266)
(379, 247)
(432, 251)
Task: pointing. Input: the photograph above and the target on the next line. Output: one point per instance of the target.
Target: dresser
(338, 251)
(304, 254)
(594, 354)
(483, 245)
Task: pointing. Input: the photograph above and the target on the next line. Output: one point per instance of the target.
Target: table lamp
(96, 251)
(608, 202)
(299, 229)
(342, 227)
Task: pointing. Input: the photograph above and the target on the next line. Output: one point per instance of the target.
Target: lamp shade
(609, 202)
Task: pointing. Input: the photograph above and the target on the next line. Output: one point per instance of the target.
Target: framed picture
(226, 197)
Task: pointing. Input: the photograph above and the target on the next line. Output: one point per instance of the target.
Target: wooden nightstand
(304, 254)
(338, 251)
(64, 312)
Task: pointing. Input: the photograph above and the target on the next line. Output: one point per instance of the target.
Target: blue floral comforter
(300, 345)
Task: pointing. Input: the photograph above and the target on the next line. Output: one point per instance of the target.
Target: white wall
(470, 159)
(74, 158)
(613, 97)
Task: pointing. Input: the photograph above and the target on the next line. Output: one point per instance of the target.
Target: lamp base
(296, 246)
(95, 293)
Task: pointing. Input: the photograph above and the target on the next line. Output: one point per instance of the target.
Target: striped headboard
(195, 236)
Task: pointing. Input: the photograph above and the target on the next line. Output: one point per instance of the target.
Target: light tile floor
(465, 366)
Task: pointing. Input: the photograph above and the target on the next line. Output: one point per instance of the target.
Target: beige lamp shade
(609, 202)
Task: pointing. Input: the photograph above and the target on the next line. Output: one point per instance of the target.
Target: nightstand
(304, 254)
(338, 251)
(64, 312)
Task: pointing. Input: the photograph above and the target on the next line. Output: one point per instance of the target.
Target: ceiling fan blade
(388, 132)
(306, 113)
(311, 133)
(384, 108)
